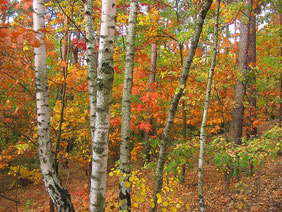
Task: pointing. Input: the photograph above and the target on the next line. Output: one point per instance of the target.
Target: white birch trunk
(105, 75)
(179, 91)
(57, 192)
(205, 113)
(91, 59)
(124, 189)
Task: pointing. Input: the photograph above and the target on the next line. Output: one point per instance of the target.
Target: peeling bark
(57, 192)
(105, 76)
(179, 91)
(124, 189)
(202, 207)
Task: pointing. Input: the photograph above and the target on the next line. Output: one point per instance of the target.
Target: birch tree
(58, 194)
(173, 106)
(236, 130)
(205, 113)
(124, 184)
(91, 59)
(105, 75)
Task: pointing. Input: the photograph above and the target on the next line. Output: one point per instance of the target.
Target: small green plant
(27, 205)
(231, 158)
(182, 154)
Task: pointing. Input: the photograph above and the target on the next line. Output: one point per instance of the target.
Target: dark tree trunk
(252, 130)
(236, 130)
(152, 77)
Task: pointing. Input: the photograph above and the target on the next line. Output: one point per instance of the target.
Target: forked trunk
(57, 192)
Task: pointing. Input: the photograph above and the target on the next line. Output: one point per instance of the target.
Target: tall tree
(105, 76)
(280, 115)
(179, 91)
(91, 59)
(251, 73)
(236, 130)
(124, 184)
(57, 192)
(152, 77)
(205, 113)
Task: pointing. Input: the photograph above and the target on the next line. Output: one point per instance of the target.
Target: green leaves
(250, 155)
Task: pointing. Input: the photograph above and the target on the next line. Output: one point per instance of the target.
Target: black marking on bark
(98, 149)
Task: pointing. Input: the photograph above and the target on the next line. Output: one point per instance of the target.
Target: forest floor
(260, 192)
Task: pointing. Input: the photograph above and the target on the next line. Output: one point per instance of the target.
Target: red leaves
(145, 126)
(80, 44)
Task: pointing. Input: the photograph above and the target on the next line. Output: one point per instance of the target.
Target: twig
(9, 199)
(25, 88)
(70, 19)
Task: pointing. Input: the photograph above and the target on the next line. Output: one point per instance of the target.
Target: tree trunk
(179, 90)
(280, 115)
(236, 130)
(205, 113)
(152, 76)
(252, 79)
(105, 76)
(124, 184)
(182, 179)
(57, 192)
(91, 59)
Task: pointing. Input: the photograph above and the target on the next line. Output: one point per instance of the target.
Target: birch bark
(57, 192)
(91, 59)
(179, 91)
(105, 75)
(124, 188)
(205, 113)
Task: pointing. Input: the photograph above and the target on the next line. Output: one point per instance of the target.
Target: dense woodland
(149, 105)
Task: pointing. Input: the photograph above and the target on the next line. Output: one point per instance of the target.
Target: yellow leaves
(23, 172)
(165, 203)
(127, 184)
(173, 209)
(22, 148)
(158, 195)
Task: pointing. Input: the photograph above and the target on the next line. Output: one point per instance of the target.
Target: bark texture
(152, 76)
(105, 75)
(124, 188)
(91, 59)
(280, 113)
(57, 192)
(238, 110)
(252, 76)
(179, 91)
(205, 113)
